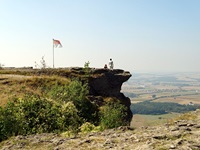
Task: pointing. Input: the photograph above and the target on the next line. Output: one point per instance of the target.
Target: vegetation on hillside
(54, 104)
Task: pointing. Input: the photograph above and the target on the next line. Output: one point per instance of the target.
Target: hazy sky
(140, 35)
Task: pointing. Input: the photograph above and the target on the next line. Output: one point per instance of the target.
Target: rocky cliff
(105, 84)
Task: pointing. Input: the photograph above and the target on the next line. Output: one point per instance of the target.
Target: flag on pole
(57, 43)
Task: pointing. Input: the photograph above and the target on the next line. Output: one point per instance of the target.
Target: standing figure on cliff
(111, 64)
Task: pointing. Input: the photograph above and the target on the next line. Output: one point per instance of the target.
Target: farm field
(182, 88)
(195, 99)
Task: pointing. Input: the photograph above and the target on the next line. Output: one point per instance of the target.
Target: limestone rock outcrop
(105, 83)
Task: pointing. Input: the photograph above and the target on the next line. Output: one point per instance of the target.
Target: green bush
(112, 115)
(87, 69)
(76, 92)
(37, 115)
(8, 121)
(87, 127)
(66, 109)
(69, 120)
(33, 115)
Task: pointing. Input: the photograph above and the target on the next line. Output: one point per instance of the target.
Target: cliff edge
(105, 84)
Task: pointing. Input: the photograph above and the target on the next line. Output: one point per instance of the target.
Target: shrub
(87, 127)
(33, 115)
(65, 109)
(37, 115)
(69, 121)
(8, 121)
(87, 69)
(112, 115)
(76, 92)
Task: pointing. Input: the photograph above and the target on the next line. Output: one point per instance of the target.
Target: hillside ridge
(104, 84)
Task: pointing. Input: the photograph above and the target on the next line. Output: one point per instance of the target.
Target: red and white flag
(57, 43)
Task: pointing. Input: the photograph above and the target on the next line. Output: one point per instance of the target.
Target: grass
(20, 85)
(187, 116)
(151, 120)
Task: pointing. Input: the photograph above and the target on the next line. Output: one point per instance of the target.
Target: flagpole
(53, 53)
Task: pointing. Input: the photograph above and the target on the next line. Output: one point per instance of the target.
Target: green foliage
(76, 92)
(8, 121)
(86, 65)
(156, 108)
(61, 108)
(87, 127)
(69, 120)
(72, 92)
(87, 69)
(37, 115)
(65, 109)
(112, 115)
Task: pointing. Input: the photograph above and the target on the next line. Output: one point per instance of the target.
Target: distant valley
(182, 88)
(156, 98)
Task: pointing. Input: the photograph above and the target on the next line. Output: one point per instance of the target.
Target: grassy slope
(151, 120)
(19, 85)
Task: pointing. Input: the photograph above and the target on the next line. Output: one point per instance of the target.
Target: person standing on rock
(111, 65)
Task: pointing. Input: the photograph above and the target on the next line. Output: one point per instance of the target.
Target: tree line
(157, 108)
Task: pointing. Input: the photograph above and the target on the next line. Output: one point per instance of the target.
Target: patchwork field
(195, 99)
(181, 88)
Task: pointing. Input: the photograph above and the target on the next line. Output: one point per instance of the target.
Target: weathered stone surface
(107, 83)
